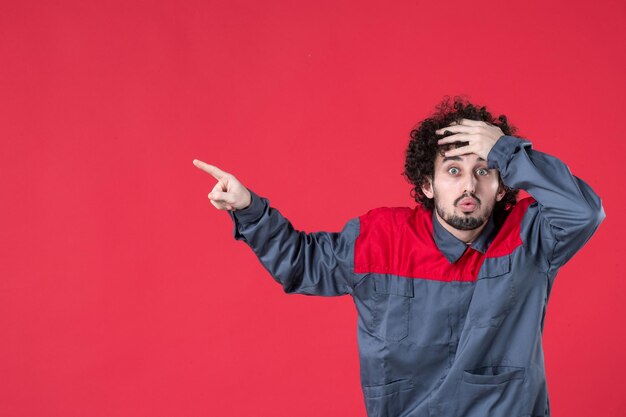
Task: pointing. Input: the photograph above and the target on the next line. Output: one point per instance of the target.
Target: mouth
(467, 205)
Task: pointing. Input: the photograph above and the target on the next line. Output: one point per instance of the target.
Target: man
(451, 295)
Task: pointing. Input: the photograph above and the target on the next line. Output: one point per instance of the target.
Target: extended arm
(318, 263)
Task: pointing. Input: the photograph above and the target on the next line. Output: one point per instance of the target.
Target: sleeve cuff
(504, 149)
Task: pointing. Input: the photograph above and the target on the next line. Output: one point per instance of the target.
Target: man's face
(464, 190)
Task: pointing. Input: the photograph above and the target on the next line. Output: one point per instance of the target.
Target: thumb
(222, 197)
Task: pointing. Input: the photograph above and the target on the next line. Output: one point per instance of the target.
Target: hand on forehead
(476, 136)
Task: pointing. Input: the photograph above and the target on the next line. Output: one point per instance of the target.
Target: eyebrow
(457, 158)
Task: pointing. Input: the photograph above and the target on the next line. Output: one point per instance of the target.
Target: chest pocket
(392, 306)
(494, 293)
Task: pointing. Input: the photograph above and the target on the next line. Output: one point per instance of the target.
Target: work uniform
(445, 329)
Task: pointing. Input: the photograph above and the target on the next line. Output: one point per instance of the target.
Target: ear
(427, 187)
(501, 192)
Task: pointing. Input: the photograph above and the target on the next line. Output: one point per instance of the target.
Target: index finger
(454, 129)
(210, 169)
(471, 122)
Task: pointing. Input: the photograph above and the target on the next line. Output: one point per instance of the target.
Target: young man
(451, 294)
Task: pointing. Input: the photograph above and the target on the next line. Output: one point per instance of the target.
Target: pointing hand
(228, 193)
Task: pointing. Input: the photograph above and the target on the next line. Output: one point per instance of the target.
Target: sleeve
(319, 263)
(569, 210)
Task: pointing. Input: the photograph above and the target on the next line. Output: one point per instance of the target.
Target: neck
(467, 236)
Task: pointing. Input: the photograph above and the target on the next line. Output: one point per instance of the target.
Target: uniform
(444, 328)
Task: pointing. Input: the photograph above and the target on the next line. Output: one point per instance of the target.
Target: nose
(469, 184)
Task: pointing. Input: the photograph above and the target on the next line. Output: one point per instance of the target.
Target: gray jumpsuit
(444, 329)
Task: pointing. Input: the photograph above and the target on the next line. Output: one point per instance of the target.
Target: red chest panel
(400, 241)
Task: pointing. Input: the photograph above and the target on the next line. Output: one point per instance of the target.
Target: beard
(462, 223)
(465, 222)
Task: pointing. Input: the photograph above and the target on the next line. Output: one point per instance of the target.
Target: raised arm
(318, 263)
(569, 209)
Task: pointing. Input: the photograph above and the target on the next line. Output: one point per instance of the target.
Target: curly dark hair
(423, 148)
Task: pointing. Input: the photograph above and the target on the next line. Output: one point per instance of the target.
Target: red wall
(123, 292)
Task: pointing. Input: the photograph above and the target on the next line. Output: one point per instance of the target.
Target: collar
(453, 248)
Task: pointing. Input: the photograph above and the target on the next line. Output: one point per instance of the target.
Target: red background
(123, 292)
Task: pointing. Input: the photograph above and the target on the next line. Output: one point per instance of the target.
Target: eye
(453, 170)
(482, 171)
